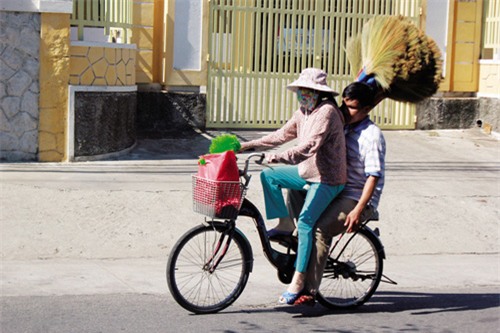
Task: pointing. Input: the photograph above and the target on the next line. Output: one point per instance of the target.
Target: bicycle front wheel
(208, 268)
(353, 270)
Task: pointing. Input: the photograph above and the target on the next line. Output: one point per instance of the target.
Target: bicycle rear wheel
(197, 280)
(353, 270)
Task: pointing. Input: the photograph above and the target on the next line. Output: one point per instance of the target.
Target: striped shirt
(365, 157)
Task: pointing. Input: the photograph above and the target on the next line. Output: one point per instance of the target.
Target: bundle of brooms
(394, 56)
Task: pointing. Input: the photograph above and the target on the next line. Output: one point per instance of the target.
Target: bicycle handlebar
(261, 155)
(244, 173)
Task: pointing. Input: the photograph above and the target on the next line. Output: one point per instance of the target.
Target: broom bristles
(383, 42)
(420, 71)
(404, 61)
(353, 51)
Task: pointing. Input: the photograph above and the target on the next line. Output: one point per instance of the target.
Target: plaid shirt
(320, 151)
(365, 157)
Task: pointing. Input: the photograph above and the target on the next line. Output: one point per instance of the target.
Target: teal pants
(317, 199)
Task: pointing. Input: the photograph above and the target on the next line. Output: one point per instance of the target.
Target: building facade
(80, 80)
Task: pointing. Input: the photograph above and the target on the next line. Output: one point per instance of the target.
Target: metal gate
(257, 47)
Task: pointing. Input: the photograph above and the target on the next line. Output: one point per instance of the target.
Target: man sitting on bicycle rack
(318, 162)
(365, 181)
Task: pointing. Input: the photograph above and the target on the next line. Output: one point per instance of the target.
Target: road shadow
(394, 302)
(185, 145)
(167, 149)
(416, 303)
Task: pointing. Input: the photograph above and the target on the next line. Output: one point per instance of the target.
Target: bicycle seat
(374, 216)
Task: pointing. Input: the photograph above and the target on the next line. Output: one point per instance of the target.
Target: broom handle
(369, 79)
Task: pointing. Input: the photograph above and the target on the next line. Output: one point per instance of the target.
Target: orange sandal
(308, 300)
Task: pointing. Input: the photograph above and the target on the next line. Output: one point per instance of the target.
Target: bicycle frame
(284, 263)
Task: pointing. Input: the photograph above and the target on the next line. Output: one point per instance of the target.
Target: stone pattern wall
(104, 120)
(102, 66)
(19, 85)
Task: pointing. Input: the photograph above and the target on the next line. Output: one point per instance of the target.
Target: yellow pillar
(54, 78)
(144, 36)
(158, 37)
(466, 45)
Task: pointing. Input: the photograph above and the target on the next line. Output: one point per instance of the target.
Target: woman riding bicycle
(365, 181)
(317, 162)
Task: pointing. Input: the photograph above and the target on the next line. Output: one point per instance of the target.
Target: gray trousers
(330, 224)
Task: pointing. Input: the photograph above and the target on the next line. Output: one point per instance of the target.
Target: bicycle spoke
(352, 277)
(363, 257)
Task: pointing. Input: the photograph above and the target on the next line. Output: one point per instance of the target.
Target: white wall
(44, 6)
(187, 34)
(437, 24)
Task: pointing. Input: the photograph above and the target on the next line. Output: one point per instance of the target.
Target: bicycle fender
(248, 249)
(376, 239)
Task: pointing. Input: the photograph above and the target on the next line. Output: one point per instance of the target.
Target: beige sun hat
(312, 78)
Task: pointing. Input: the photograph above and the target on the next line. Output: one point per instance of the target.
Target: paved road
(100, 232)
(426, 311)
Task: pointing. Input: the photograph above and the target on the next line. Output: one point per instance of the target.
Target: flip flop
(289, 298)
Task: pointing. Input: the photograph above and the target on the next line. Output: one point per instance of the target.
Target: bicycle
(209, 265)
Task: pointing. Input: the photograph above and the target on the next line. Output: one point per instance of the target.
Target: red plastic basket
(217, 199)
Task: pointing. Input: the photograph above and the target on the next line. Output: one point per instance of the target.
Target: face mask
(307, 98)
